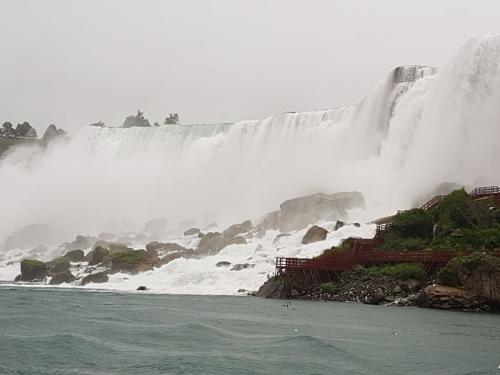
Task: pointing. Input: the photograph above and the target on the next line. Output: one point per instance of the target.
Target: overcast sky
(73, 62)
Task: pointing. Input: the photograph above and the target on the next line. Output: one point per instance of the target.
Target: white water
(415, 130)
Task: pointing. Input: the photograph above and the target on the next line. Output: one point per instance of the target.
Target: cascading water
(416, 129)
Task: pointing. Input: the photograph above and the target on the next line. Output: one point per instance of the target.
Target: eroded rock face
(478, 273)
(314, 234)
(445, 297)
(213, 242)
(273, 288)
(237, 229)
(298, 213)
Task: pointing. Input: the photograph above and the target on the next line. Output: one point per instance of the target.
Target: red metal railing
(432, 203)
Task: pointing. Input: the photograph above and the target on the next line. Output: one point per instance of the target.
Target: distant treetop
(172, 119)
(137, 120)
(22, 130)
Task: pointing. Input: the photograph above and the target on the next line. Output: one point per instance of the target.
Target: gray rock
(192, 231)
(142, 287)
(223, 264)
(242, 266)
(237, 229)
(155, 226)
(314, 234)
(62, 277)
(96, 256)
(298, 213)
(75, 255)
(100, 277)
(33, 270)
(274, 288)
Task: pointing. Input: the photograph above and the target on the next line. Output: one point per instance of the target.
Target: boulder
(375, 298)
(314, 234)
(274, 288)
(58, 265)
(237, 229)
(478, 273)
(100, 277)
(33, 270)
(222, 263)
(75, 256)
(280, 236)
(339, 224)
(62, 277)
(298, 213)
(188, 253)
(141, 287)
(98, 255)
(192, 231)
(167, 247)
(444, 297)
(213, 242)
(133, 261)
(242, 266)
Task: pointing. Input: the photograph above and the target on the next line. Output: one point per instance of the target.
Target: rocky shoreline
(362, 287)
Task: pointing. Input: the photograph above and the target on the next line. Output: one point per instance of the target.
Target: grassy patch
(401, 271)
(328, 288)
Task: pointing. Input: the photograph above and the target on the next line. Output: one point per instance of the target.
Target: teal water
(63, 331)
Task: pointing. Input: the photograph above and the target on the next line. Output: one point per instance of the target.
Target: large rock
(96, 256)
(213, 242)
(100, 277)
(167, 247)
(237, 229)
(62, 277)
(31, 236)
(75, 255)
(58, 265)
(314, 234)
(445, 297)
(478, 273)
(33, 270)
(274, 288)
(133, 261)
(192, 231)
(298, 213)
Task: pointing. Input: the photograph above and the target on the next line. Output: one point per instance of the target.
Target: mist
(417, 128)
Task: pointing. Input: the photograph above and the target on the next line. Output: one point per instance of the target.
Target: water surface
(65, 331)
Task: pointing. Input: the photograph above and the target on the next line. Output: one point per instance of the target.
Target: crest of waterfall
(416, 129)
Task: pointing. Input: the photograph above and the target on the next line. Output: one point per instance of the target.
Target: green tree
(25, 130)
(137, 120)
(172, 119)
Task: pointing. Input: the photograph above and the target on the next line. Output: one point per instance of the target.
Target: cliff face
(480, 274)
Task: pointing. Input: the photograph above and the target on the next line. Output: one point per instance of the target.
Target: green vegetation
(172, 119)
(401, 271)
(457, 222)
(137, 120)
(328, 288)
(128, 257)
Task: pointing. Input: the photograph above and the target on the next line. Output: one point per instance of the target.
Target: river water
(64, 331)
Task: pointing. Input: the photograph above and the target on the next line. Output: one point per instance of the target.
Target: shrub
(128, 257)
(415, 223)
(401, 271)
(328, 288)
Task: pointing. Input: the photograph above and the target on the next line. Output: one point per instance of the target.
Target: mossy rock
(96, 256)
(100, 277)
(62, 277)
(58, 265)
(132, 261)
(32, 269)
